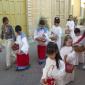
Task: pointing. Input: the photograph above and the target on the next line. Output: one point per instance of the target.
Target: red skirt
(41, 53)
(22, 61)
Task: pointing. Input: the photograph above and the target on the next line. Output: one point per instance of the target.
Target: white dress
(71, 26)
(71, 59)
(58, 74)
(57, 30)
(79, 56)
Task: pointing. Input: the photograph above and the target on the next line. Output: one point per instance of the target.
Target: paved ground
(31, 76)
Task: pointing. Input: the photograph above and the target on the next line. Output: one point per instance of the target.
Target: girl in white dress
(57, 31)
(68, 54)
(54, 59)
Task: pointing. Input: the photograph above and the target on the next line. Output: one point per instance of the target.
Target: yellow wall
(76, 8)
(15, 10)
(48, 9)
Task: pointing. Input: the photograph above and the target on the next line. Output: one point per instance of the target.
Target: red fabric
(80, 39)
(50, 81)
(22, 60)
(41, 52)
(69, 68)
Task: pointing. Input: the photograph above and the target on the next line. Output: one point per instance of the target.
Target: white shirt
(23, 43)
(56, 73)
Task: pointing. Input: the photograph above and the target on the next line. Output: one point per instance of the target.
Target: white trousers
(10, 56)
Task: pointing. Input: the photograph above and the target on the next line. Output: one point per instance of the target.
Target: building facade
(28, 12)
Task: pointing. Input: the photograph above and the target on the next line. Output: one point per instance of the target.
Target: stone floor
(31, 76)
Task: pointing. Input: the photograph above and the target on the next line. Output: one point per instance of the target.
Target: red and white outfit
(67, 50)
(79, 56)
(56, 73)
(41, 32)
(22, 61)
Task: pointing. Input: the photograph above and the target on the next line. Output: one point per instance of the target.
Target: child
(77, 35)
(81, 41)
(79, 56)
(22, 61)
(54, 59)
(57, 31)
(68, 54)
(41, 36)
(70, 26)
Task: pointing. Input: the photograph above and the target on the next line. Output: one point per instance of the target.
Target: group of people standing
(9, 38)
(56, 53)
(50, 48)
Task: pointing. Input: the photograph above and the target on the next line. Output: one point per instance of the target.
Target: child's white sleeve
(47, 36)
(35, 34)
(62, 53)
(45, 69)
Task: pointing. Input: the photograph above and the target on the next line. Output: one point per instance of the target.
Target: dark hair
(77, 30)
(18, 28)
(70, 16)
(66, 39)
(53, 48)
(56, 20)
(5, 19)
(42, 22)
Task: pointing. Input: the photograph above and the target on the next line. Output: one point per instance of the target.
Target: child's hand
(43, 81)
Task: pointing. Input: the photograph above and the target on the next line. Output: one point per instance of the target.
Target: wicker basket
(53, 38)
(79, 48)
(15, 47)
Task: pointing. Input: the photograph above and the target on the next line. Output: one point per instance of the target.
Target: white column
(29, 16)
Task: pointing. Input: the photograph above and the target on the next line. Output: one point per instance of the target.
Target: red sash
(80, 39)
